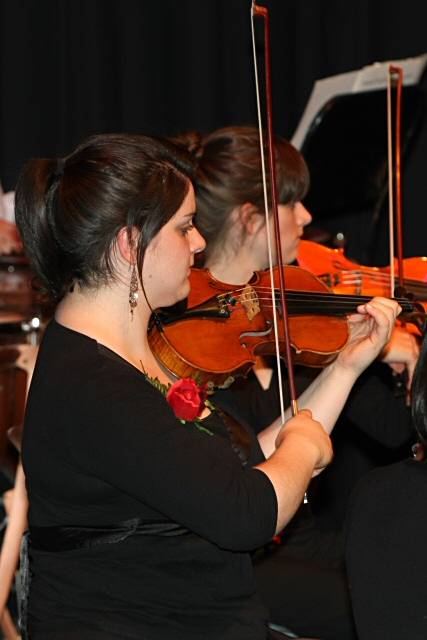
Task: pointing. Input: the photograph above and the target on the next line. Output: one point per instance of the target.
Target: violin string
(308, 309)
(415, 285)
(373, 275)
(336, 298)
(255, 291)
(316, 300)
(341, 307)
(334, 302)
(381, 280)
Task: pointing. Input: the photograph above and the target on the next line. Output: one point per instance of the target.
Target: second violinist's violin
(345, 276)
(224, 327)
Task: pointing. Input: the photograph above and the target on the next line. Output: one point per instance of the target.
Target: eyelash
(187, 229)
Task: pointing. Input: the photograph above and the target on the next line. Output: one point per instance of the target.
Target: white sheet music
(368, 78)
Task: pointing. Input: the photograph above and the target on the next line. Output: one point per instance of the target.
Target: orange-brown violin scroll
(224, 328)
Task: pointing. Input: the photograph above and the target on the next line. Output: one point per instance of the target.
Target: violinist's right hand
(303, 450)
(310, 434)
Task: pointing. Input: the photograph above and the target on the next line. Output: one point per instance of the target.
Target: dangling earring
(133, 291)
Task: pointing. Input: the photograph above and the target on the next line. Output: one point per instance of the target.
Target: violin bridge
(249, 301)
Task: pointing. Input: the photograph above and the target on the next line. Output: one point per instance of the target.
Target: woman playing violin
(141, 517)
(230, 200)
(230, 204)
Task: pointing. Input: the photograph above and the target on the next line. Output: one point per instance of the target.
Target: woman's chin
(180, 294)
(291, 256)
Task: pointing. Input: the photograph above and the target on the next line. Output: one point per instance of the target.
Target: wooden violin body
(224, 327)
(345, 276)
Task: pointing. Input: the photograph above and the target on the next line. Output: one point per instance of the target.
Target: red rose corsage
(188, 401)
(186, 398)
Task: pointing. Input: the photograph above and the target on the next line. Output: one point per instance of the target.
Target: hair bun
(196, 147)
(192, 141)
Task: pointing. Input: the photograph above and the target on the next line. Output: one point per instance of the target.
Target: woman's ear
(127, 244)
(251, 218)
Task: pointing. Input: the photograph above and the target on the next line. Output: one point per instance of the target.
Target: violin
(344, 276)
(224, 329)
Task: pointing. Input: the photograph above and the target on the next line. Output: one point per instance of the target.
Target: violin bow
(262, 12)
(395, 77)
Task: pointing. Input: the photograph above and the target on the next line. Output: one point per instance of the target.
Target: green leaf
(209, 405)
(200, 427)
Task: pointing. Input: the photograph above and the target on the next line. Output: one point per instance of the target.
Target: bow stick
(262, 12)
(395, 77)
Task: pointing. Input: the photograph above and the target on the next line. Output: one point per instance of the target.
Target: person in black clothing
(374, 430)
(144, 502)
(303, 580)
(386, 530)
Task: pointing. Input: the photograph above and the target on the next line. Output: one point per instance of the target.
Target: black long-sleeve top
(101, 446)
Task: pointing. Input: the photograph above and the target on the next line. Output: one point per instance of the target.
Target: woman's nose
(304, 217)
(197, 243)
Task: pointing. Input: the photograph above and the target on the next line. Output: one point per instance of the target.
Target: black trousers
(308, 596)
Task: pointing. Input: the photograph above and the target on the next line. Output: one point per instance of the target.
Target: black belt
(68, 538)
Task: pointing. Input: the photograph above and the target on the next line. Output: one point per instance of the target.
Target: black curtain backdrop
(69, 68)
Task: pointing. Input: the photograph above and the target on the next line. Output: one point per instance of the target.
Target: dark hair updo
(69, 211)
(229, 175)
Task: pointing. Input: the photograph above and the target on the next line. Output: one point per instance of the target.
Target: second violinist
(230, 205)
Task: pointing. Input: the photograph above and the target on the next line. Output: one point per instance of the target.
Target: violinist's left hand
(370, 330)
(401, 352)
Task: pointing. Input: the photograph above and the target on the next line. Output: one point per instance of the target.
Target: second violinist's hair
(419, 394)
(70, 210)
(229, 175)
